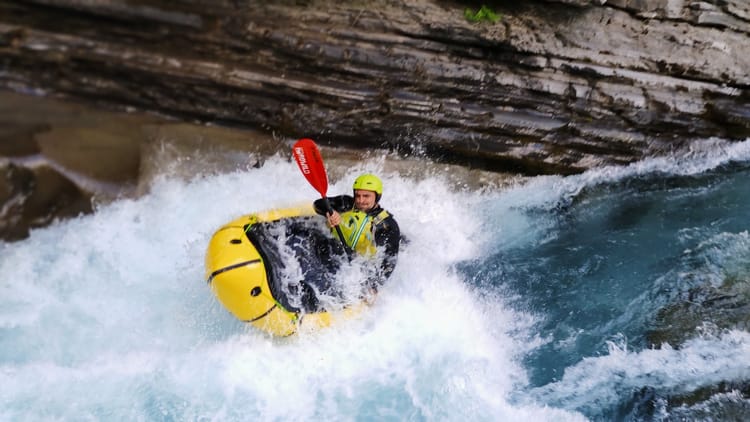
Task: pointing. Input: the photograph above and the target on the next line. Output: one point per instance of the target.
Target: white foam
(600, 382)
(108, 316)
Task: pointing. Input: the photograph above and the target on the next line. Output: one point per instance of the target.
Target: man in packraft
(366, 227)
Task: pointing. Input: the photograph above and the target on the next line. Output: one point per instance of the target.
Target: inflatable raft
(246, 265)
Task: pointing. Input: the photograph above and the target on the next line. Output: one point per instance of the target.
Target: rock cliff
(537, 87)
(548, 87)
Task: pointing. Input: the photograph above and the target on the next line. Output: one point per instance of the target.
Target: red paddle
(308, 158)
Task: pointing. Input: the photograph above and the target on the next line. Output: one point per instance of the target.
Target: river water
(526, 303)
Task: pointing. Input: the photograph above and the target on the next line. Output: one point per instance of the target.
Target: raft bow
(240, 272)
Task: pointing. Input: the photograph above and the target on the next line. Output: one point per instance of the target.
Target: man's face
(364, 200)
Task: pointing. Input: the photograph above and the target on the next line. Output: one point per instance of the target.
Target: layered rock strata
(550, 87)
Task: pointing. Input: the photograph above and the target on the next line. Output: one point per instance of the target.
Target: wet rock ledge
(550, 87)
(60, 159)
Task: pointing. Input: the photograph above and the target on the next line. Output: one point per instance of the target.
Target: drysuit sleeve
(339, 203)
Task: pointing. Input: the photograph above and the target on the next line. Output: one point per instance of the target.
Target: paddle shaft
(329, 211)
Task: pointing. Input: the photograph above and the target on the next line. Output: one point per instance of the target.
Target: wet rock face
(725, 401)
(53, 164)
(57, 159)
(35, 197)
(703, 308)
(551, 87)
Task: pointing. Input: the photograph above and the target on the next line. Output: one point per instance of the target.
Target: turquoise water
(531, 303)
(602, 260)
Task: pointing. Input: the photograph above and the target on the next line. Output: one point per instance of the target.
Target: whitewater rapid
(108, 316)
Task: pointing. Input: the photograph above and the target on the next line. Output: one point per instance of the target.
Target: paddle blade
(310, 163)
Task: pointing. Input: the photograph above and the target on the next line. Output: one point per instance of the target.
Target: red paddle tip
(304, 142)
(308, 158)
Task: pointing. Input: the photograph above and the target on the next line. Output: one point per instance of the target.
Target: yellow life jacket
(357, 228)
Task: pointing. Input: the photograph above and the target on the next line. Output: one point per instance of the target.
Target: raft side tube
(242, 279)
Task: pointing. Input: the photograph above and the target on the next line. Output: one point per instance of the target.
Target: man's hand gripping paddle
(308, 158)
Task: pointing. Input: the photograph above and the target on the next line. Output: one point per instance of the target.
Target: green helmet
(369, 182)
